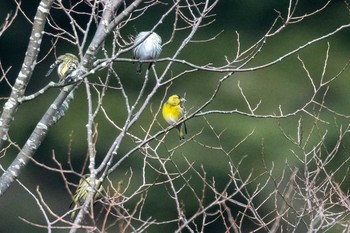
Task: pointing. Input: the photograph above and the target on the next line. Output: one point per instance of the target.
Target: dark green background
(284, 84)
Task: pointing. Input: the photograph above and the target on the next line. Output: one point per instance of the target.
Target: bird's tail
(139, 67)
(182, 131)
(75, 208)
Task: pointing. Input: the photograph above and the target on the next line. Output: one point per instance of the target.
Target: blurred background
(285, 84)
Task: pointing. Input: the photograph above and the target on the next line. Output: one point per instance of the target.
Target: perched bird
(148, 47)
(173, 111)
(82, 193)
(66, 63)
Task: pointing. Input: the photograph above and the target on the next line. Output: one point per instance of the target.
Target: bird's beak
(183, 100)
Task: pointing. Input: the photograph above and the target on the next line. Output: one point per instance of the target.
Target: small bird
(82, 193)
(147, 48)
(66, 63)
(173, 111)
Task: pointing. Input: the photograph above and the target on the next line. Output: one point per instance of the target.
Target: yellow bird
(173, 111)
(66, 63)
(82, 193)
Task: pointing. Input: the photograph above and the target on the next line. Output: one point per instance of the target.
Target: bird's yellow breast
(171, 113)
